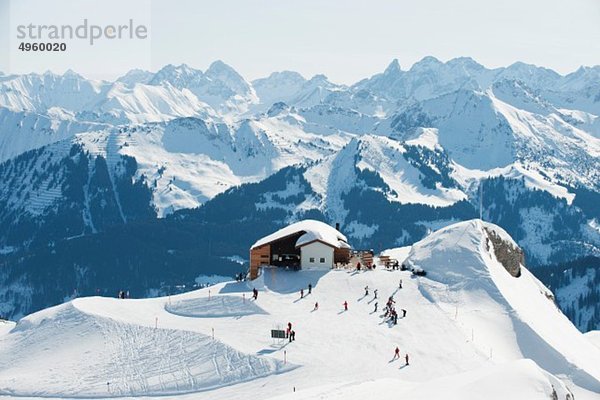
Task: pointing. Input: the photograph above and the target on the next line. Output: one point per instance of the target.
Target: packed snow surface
(471, 331)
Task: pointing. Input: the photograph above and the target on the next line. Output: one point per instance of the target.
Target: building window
(312, 259)
(322, 260)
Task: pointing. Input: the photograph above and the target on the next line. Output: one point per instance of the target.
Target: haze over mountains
(391, 157)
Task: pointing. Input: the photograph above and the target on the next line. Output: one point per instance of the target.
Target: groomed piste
(472, 331)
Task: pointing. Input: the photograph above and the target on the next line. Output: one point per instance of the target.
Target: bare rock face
(509, 256)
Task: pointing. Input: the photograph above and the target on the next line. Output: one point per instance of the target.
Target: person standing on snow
(301, 293)
(400, 284)
(309, 288)
(345, 306)
(375, 307)
(406, 358)
(375, 293)
(316, 306)
(403, 313)
(396, 353)
(366, 290)
(255, 293)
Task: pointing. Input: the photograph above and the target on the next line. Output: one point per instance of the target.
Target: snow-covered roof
(313, 230)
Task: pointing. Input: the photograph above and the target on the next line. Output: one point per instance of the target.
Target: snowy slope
(472, 330)
(594, 337)
(24, 131)
(385, 157)
(102, 357)
(465, 278)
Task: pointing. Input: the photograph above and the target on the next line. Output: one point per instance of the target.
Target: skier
(375, 293)
(345, 306)
(255, 293)
(366, 290)
(406, 358)
(400, 284)
(403, 313)
(396, 353)
(375, 307)
(358, 266)
(301, 293)
(292, 336)
(309, 288)
(316, 306)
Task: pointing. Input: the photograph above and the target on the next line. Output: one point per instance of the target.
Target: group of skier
(390, 313)
(397, 355)
(309, 290)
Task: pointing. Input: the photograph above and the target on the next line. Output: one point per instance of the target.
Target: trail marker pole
(244, 297)
(213, 333)
(472, 335)
(155, 322)
(209, 294)
(456, 314)
(285, 356)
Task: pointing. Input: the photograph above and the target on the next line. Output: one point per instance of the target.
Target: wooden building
(306, 244)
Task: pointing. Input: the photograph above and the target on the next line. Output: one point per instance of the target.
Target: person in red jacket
(345, 306)
(396, 353)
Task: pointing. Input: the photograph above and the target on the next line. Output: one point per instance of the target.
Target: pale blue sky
(344, 39)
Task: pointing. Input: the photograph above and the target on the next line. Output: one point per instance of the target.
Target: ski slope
(472, 331)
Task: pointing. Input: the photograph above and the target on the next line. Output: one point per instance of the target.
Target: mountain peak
(465, 62)
(427, 62)
(229, 77)
(219, 66)
(71, 74)
(393, 68)
(136, 76)
(319, 78)
(178, 75)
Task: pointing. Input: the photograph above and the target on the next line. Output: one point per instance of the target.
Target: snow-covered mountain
(479, 324)
(391, 157)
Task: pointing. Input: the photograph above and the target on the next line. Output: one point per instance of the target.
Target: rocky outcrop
(511, 257)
